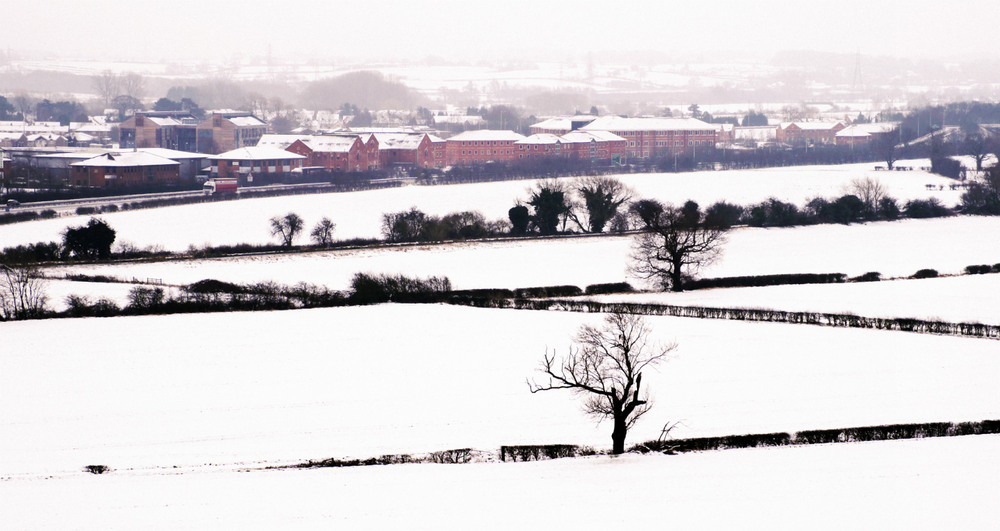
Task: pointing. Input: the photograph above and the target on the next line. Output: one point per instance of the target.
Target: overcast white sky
(220, 29)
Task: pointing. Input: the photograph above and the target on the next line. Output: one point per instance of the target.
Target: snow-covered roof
(564, 123)
(247, 121)
(163, 121)
(539, 139)
(280, 141)
(121, 159)
(399, 140)
(256, 153)
(812, 126)
(173, 154)
(487, 135)
(459, 119)
(617, 123)
(331, 143)
(866, 130)
(589, 136)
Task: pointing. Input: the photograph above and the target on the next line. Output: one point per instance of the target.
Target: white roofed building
(808, 133)
(482, 146)
(255, 164)
(658, 137)
(862, 134)
(123, 169)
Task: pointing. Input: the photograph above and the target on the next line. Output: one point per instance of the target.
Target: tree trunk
(676, 284)
(618, 435)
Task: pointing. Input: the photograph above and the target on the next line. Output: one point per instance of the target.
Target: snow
(895, 249)
(915, 484)
(359, 214)
(244, 389)
(971, 298)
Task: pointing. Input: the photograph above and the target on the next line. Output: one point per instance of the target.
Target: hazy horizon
(450, 30)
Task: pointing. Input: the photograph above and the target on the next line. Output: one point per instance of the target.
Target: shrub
(978, 269)
(925, 273)
(765, 280)
(547, 291)
(996, 268)
(48, 214)
(613, 287)
(871, 276)
(368, 288)
(723, 215)
(97, 469)
(539, 452)
(85, 211)
(926, 208)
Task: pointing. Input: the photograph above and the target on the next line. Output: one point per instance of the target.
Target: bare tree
(287, 227)
(22, 292)
(133, 85)
(601, 197)
(23, 103)
(871, 192)
(322, 233)
(605, 366)
(674, 243)
(885, 148)
(108, 85)
(976, 145)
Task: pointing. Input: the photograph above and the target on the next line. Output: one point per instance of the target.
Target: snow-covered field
(968, 298)
(278, 387)
(359, 214)
(895, 249)
(179, 406)
(916, 484)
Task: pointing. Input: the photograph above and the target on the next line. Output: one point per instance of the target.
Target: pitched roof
(564, 123)
(812, 126)
(539, 139)
(617, 123)
(588, 136)
(116, 159)
(256, 153)
(399, 140)
(487, 135)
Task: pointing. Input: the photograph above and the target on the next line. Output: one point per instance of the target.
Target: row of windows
(486, 143)
(486, 152)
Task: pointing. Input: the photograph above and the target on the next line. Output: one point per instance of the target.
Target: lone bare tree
(22, 292)
(606, 368)
(674, 242)
(322, 233)
(287, 227)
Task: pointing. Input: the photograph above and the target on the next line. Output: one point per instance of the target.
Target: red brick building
(657, 137)
(122, 169)
(159, 129)
(863, 134)
(226, 131)
(255, 164)
(594, 145)
(539, 146)
(410, 149)
(808, 133)
(481, 146)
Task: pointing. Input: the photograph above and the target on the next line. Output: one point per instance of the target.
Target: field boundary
(837, 320)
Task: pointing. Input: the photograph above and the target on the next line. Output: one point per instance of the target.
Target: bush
(925, 273)
(613, 287)
(765, 280)
(48, 214)
(926, 208)
(540, 451)
(547, 291)
(871, 276)
(368, 288)
(978, 269)
(723, 215)
(996, 268)
(85, 211)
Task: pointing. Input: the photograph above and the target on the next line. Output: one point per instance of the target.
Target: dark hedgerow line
(743, 314)
(540, 452)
